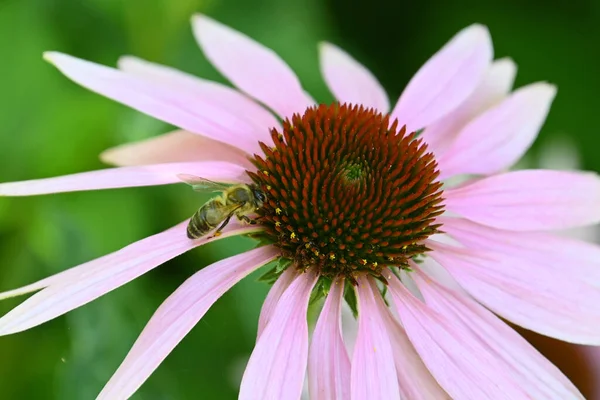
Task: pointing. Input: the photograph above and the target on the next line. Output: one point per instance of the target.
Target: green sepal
(383, 293)
(275, 269)
(350, 297)
(320, 290)
(260, 238)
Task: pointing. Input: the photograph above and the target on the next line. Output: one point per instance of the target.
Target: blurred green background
(49, 126)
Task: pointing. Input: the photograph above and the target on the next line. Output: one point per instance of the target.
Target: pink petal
(373, 375)
(277, 365)
(252, 67)
(177, 316)
(446, 80)
(498, 138)
(80, 285)
(328, 362)
(461, 364)
(226, 98)
(149, 175)
(268, 307)
(176, 146)
(186, 109)
(414, 379)
(529, 200)
(349, 81)
(529, 369)
(494, 87)
(519, 274)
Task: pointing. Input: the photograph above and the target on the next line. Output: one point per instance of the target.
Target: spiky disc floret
(347, 192)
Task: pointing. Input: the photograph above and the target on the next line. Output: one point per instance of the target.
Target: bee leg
(247, 220)
(220, 228)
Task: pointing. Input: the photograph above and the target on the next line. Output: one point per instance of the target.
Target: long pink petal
(172, 147)
(252, 67)
(446, 80)
(112, 178)
(461, 364)
(80, 285)
(414, 379)
(278, 288)
(277, 366)
(529, 369)
(215, 93)
(529, 200)
(373, 375)
(189, 110)
(349, 81)
(328, 362)
(519, 274)
(177, 316)
(494, 87)
(499, 137)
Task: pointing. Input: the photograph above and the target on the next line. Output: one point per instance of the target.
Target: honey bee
(239, 200)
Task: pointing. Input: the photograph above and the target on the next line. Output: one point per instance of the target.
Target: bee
(239, 200)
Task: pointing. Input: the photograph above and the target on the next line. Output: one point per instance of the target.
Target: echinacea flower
(355, 209)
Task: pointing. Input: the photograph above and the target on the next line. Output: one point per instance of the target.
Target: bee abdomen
(198, 226)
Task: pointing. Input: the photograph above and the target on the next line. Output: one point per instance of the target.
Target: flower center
(347, 192)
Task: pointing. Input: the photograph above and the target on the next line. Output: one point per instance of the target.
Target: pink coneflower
(354, 209)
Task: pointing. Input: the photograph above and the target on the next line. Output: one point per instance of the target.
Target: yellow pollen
(293, 235)
(375, 264)
(363, 261)
(269, 187)
(277, 223)
(317, 253)
(404, 247)
(332, 256)
(266, 172)
(278, 211)
(390, 258)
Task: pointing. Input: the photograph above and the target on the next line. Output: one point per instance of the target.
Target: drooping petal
(80, 285)
(518, 275)
(349, 81)
(211, 92)
(499, 137)
(252, 67)
(459, 362)
(112, 178)
(177, 316)
(373, 374)
(494, 87)
(529, 200)
(328, 362)
(414, 379)
(446, 80)
(277, 366)
(172, 147)
(185, 109)
(268, 307)
(532, 371)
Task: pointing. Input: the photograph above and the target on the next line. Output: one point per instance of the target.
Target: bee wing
(202, 184)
